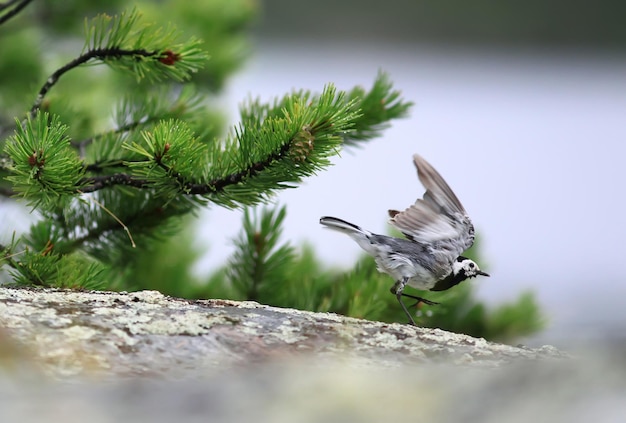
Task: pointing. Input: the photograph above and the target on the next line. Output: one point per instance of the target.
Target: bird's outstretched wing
(438, 217)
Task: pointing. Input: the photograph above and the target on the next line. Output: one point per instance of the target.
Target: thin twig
(100, 166)
(80, 60)
(96, 183)
(7, 4)
(10, 256)
(17, 9)
(117, 219)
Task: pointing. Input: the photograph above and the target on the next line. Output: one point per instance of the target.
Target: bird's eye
(472, 265)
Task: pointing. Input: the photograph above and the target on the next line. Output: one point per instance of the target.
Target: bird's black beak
(480, 272)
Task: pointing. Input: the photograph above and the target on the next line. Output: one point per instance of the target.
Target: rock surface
(111, 357)
(145, 332)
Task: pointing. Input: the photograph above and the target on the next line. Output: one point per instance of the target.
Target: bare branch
(80, 60)
(11, 13)
(96, 183)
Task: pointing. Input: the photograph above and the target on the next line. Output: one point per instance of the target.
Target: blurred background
(520, 106)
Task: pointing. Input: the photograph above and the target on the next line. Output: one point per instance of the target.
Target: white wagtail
(438, 231)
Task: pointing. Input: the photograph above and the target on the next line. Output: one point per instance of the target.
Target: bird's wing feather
(437, 190)
(438, 216)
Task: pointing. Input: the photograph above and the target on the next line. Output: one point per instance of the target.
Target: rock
(147, 333)
(69, 356)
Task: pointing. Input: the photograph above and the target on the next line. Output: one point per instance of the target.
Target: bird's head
(467, 268)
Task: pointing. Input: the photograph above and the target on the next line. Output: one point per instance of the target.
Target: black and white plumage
(438, 230)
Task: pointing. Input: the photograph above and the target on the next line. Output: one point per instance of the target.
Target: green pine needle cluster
(146, 51)
(45, 167)
(29, 265)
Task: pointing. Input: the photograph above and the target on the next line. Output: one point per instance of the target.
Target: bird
(437, 230)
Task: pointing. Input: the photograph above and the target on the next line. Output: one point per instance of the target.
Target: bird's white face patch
(469, 267)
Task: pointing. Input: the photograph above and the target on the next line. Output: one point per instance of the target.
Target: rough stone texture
(148, 333)
(115, 357)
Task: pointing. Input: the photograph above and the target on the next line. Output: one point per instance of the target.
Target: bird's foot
(420, 300)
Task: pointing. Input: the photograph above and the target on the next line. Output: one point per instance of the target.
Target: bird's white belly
(400, 268)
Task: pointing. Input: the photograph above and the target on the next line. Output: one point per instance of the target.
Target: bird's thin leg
(397, 289)
(419, 300)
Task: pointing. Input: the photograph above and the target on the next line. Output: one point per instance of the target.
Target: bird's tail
(346, 227)
(360, 235)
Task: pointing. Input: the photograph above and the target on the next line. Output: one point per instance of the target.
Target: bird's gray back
(423, 264)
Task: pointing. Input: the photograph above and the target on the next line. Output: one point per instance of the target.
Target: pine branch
(92, 184)
(101, 54)
(7, 4)
(274, 147)
(146, 51)
(260, 159)
(13, 12)
(175, 60)
(101, 166)
(218, 185)
(96, 183)
(214, 186)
